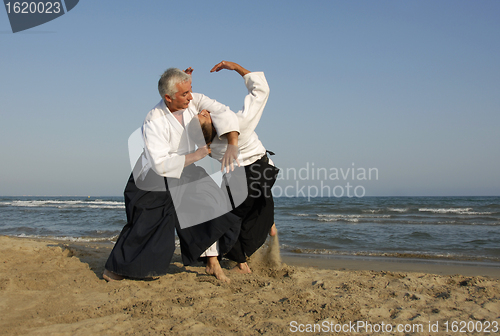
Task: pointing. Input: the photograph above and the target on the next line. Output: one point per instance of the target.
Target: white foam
(67, 204)
(69, 238)
(353, 220)
(460, 211)
(353, 216)
(398, 209)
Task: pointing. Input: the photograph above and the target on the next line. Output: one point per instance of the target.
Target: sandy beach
(56, 288)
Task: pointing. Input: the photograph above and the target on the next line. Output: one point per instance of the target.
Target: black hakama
(203, 198)
(256, 211)
(147, 242)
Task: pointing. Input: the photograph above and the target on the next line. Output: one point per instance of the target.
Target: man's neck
(178, 116)
(169, 106)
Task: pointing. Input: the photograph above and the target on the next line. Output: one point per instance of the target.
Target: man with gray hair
(146, 244)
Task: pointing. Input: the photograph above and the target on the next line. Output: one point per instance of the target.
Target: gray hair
(167, 85)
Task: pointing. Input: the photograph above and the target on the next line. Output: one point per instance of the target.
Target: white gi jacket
(165, 140)
(250, 147)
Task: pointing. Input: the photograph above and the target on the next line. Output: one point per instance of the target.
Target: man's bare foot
(242, 268)
(213, 268)
(110, 276)
(273, 231)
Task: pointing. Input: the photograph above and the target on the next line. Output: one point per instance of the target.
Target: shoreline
(440, 266)
(395, 264)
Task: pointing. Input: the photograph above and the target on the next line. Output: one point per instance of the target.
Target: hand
(201, 153)
(230, 66)
(189, 71)
(229, 157)
(224, 65)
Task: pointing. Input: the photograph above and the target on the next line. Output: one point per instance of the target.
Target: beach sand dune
(50, 288)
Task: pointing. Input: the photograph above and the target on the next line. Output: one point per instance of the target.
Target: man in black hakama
(146, 244)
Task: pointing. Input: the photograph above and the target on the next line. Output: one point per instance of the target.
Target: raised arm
(230, 66)
(254, 103)
(256, 99)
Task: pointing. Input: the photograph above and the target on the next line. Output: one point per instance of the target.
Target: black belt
(265, 158)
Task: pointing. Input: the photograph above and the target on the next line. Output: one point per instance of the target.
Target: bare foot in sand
(213, 268)
(110, 276)
(242, 268)
(273, 231)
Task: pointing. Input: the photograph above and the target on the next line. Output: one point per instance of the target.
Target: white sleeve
(158, 149)
(255, 101)
(223, 119)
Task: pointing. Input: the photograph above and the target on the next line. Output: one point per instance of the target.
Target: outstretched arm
(255, 101)
(230, 66)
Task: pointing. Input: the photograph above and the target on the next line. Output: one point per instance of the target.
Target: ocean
(455, 228)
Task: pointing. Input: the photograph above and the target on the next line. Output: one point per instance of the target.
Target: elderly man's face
(181, 98)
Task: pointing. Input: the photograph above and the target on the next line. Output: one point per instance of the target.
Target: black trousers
(146, 244)
(256, 211)
(203, 198)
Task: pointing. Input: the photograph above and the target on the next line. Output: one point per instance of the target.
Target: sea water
(462, 228)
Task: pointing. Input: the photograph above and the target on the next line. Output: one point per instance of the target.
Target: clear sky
(409, 88)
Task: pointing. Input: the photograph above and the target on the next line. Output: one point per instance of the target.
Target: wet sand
(441, 267)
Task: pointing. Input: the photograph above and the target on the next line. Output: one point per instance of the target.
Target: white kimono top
(250, 147)
(165, 140)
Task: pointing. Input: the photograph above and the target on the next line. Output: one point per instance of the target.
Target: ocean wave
(122, 206)
(398, 209)
(460, 211)
(353, 216)
(348, 218)
(371, 210)
(69, 238)
(65, 204)
(353, 220)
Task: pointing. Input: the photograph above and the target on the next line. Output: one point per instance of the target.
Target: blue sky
(407, 87)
